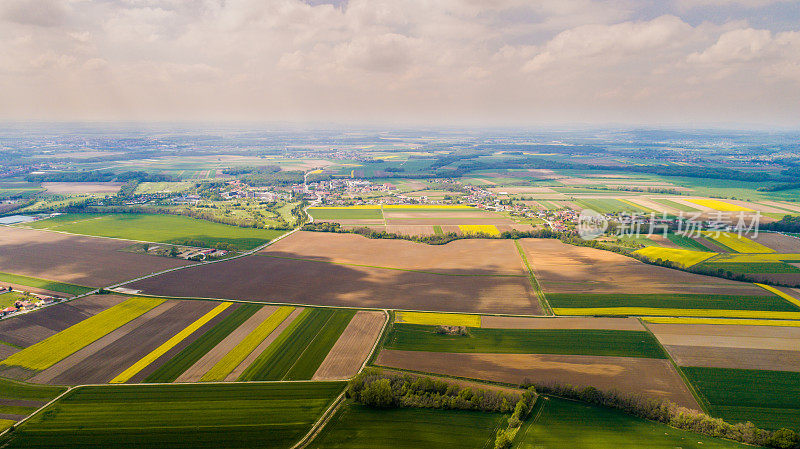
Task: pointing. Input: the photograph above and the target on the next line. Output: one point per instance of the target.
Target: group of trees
(375, 388)
(99, 176)
(788, 223)
(667, 412)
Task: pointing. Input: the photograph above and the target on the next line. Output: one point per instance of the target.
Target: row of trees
(375, 388)
(674, 415)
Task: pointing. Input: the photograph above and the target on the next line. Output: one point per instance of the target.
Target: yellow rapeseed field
(725, 321)
(53, 349)
(783, 295)
(721, 206)
(740, 244)
(443, 319)
(476, 229)
(169, 344)
(654, 311)
(685, 257)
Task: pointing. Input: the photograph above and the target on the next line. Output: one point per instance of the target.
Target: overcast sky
(438, 62)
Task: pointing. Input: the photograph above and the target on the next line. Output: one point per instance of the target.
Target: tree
(503, 440)
(784, 439)
(378, 394)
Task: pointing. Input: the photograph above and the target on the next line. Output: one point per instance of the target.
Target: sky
(435, 62)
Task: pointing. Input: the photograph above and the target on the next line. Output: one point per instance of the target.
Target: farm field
(564, 423)
(562, 268)
(355, 426)
(650, 377)
(509, 322)
(160, 228)
(47, 352)
(469, 256)
(766, 398)
(737, 243)
(415, 337)
(672, 301)
(30, 328)
(43, 284)
(299, 350)
(178, 416)
(74, 259)
(445, 319)
(353, 347)
(18, 400)
(325, 284)
(78, 188)
(684, 257)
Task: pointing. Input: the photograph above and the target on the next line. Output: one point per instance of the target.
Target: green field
(11, 391)
(70, 289)
(417, 337)
(607, 206)
(672, 301)
(769, 399)
(356, 427)
(8, 299)
(674, 205)
(686, 242)
(160, 228)
(345, 214)
(178, 416)
(302, 346)
(751, 267)
(51, 350)
(198, 348)
(569, 424)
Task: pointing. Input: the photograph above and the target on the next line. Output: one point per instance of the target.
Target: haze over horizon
(448, 62)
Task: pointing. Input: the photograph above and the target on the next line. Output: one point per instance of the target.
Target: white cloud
(446, 60)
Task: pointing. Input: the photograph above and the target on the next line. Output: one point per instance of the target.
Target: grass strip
(444, 319)
(236, 355)
(53, 349)
(276, 361)
(169, 344)
(198, 348)
(61, 287)
(537, 289)
(686, 242)
(314, 354)
(654, 311)
(438, 230)
(783, 295)
(415, 337)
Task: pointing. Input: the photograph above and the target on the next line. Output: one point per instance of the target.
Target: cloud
(448, 60)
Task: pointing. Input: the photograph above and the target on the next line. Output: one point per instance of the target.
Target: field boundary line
(537, 289)
(696, 394)
(321, 422)
(389, 268)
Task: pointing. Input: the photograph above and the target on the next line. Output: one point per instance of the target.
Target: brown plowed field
(398, 214)
(263, 345)
(73, 188)
(563, 268)
(83, 354)
(779, 242)
(77, 259)
(6, 351)
(268, 279)
(33, 327)
(411, 230)
(353, 346)
(196, 371)
(128, 349)
(728, 336)
(739, 358)
(513, 322)
(469, 256)
(450, 221)
(653, 377)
